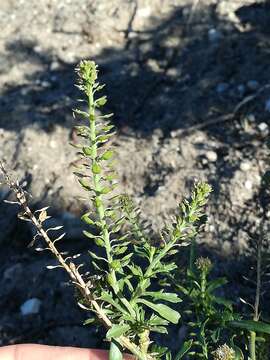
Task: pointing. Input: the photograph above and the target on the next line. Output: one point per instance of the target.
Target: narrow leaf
(251, 325)
(117, 330)
(163, 310)
(170, 297)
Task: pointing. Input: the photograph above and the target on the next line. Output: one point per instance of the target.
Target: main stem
(97, 187)
(99, 201)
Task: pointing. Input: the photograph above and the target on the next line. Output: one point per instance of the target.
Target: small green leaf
(136, 270)
(87, 150)
(85, 184)
(129, 285)
(97, 202)
(120, 250)
(115, 352)
(99, 242)
(105, 190)
(117, 330)
(126, 259)
(214, 284)
(106, 116)
(94, 256)
(155, 320)
(238, 353)
(163, 310)
(103, 138)
(222, 301)
(170, 297)
(80, 112)
(101, 101)
(89, 321)
(107, 155)
(85, 218)
(159, 329)
(115, 264)
(105, 296)
(96, 169)
(182, 289)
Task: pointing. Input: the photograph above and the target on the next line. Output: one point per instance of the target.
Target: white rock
(263, 127)
(38, 49)
(245, 166)
(211, 155)
(31, 306)
(55, 65)
(144, 12)
(248, 184)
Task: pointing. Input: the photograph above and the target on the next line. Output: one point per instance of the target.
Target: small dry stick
(222, 118)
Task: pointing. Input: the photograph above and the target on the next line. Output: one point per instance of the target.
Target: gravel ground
(189, 85)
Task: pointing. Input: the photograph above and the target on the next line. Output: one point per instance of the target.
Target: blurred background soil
(189, 84)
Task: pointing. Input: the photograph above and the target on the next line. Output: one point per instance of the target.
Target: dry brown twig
(223, 118)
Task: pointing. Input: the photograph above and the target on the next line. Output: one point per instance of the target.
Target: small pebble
(248, 184)
(45, 84)
(144, 12)
(253, 85)
(245, 166)
(214, 35)
(55, 65)
(263, 127)
(211, 156)
(31, 306)
(38, 49)
(222, 87)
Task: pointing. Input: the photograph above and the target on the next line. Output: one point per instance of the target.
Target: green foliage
(206, 314)
(127, 264)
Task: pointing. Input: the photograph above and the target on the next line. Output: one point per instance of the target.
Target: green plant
(125, 293)
(205, 313)
(120, 294)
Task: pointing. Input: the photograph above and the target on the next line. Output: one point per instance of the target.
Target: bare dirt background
(189, 84)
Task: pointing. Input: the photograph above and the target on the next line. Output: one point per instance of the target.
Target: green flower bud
(204, 264)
